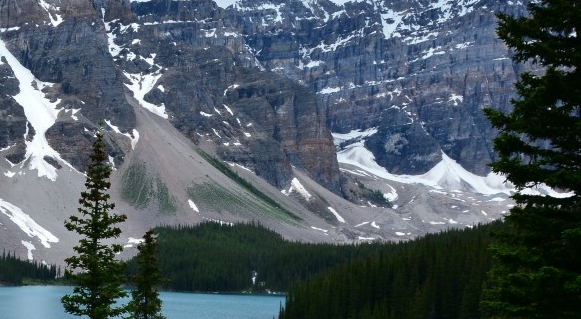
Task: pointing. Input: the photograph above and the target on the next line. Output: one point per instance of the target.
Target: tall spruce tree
(96, 273)
(145, 302)
(537, 263)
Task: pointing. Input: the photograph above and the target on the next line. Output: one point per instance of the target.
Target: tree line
(219, 257)
(14, 271)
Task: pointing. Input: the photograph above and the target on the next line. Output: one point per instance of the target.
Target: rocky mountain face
(418, 71)
(98, 45)
(71, 57)
(259, 85)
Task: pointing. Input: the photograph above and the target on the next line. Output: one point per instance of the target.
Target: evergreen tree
(424, 278)
(145, 303)
(537, 262)
(94, 270)
(14, 271)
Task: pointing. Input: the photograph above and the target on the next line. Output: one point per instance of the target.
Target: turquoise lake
(43, 302)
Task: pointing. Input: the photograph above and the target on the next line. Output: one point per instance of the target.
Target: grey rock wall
(92, 51)
(13, 123)
(419, 71)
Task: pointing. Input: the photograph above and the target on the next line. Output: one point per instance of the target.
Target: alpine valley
(325, 120)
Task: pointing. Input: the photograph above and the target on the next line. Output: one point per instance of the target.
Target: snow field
(27, 225)
(297, 187)
(40, 113)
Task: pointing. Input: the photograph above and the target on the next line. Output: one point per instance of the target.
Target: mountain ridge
(401, 66)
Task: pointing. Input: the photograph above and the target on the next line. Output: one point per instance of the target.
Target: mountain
(335, 121)
(417, 71)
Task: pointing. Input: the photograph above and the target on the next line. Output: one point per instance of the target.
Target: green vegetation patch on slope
(166, 202)
(212, 196)
(215, 197)
(275, 209)
(139, 188)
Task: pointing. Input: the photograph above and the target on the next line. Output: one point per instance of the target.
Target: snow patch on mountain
(341, 2)
(9, 29)
(114, 49)
(334, 212)
(297, 187)
(339, 138)
(27, 224)
(133, 241)
(29, 247)
(137, 241)
(446, 175)
(228, 109)
(390, 22)
(319, 229)
(233, 86)
(266, 8)
(40, 112)
(134, 137)
(329, 90)
(140, 85)
(392, 196)
(9, 174)
(544, 190)
(456, 99)
(222, 3)
(364, 223)
(193, 205)
(57, 19)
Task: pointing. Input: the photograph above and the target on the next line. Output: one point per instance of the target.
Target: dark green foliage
(356, 192)
(14, 271)
(377, 197)
(213, 257)
(436, 277)
(96, 273)
(145, 302)
(537, 271)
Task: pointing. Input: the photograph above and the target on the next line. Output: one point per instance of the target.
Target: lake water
(43, 302)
